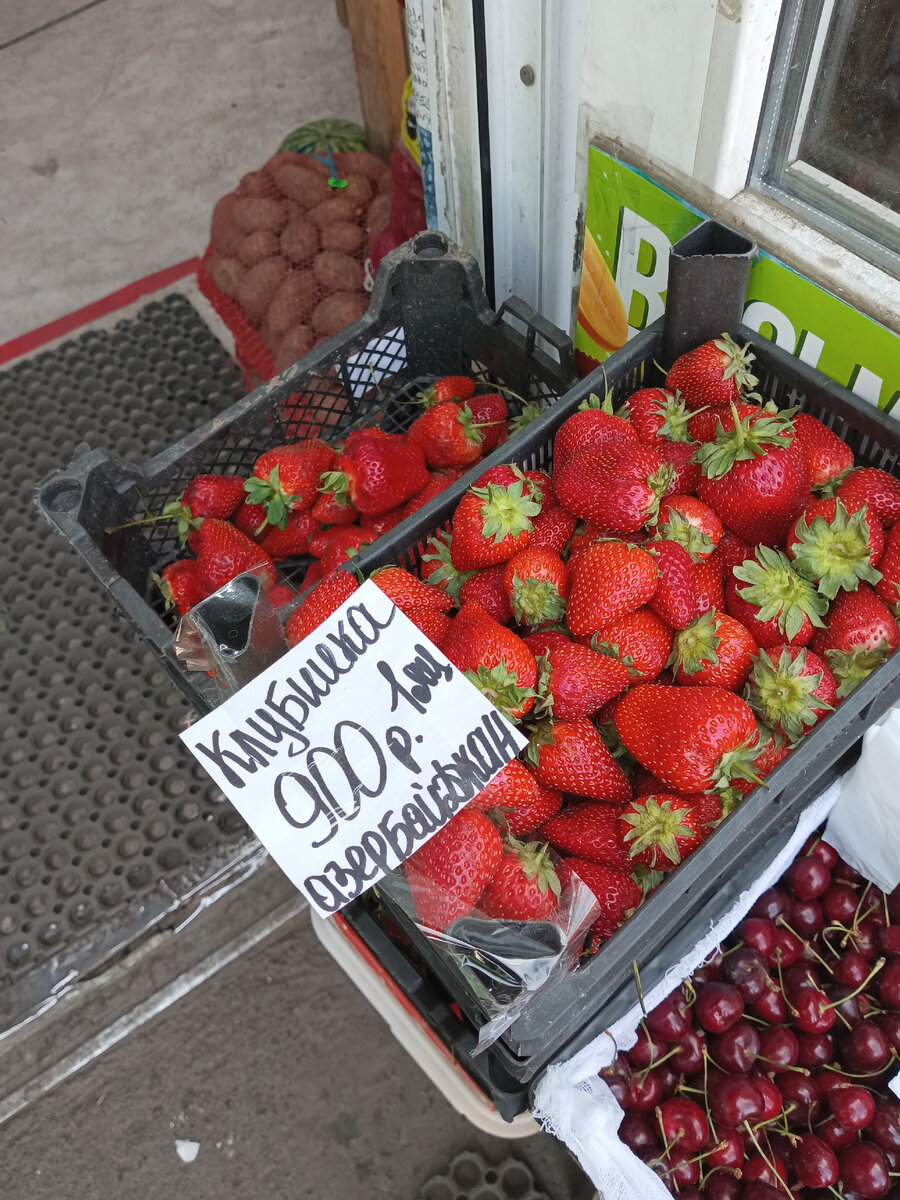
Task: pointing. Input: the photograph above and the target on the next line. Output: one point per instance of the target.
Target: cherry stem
(767, 1161)
(856, 991)
(782, 1066)
(706, 1092)
(140, 521)
(790, 1006)
(667, 1145)
(807, 945)
(656, 1062)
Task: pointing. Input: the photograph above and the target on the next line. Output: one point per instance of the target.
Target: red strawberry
(718, 372)
(827, 455)
(383, 522)
(707, 808)
(709, 582)
(593, 425)
(181, 585)
(706, 424)
(536, 583)
(607, 581)
(575, 681)
(408, 592)
(311, 575)
(322, 538)
(450, 871)
(491, 523)
(205, 496)
(553, 526)
(589, 831)
(286, 479)
(522, 804)
(347, 542)
(755, 478)
(493, 658)
(640, 639)
(888, 587)
(447, 435)
(834, 549)
(486, 587)
(250, 519)
(224, 552)
(525, 886)
(544, 640)
(675, 598)
(290, 539)
(615, 891)
(434, 487)
(448, 387)
(773, 750)
(875, 488)
(715, 650)
(657, 415)
(860, 634)
(791, 689)
(689, 522)
(489, 418)
(693, 739)
(571, 755)
(325, 598)
(437, 566)
(619, 486)
(432, 622)
(660, 830)
(329, 509)
(730, 552)
(281, 595)
(680, 457)
(774, 602)
(377, 473)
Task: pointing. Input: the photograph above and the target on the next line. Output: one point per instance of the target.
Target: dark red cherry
(647, 1092)
(723, 1186)
(889, 939)
(746, 969)
(668, 1077)
(736, 1049)
(680, 1168)
(884, 1128)
(807, 917)
(771, 1007)
(808, 877)
(814, 1049)
(772, 1099)
(799, 975)
(828, 1081)
(866, 1049)
(852, 967)
(839, 902)
(646, 1050)
(638, 1134)
(863, 1168)
(671, 1019)
(846, 1003)
(788, 949)
(735, 1100)
(844, 873)
(815, 1163)
(800, 1097)
(728, 1150)
(822, 851)
(832, 1132)
(853, 1107)
(755, 1189)
(718, 1006)
(689, 1057)
(890, 1027)
(770, 1170)
(778, 1046)
(866, 937)
(758, 933)
(684, 1122)
(889, 984)
(774, 902)
(814, 1011)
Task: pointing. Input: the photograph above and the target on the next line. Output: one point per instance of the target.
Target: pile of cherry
(765, 1074)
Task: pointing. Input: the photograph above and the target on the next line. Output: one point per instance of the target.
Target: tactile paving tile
(98, 800)
(470, 1177)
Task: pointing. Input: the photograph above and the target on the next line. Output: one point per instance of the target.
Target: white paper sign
(353, 749)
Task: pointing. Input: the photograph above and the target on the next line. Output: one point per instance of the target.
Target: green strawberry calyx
(611, 650)
(183, 514)
(675, 415)
(657, 825)
(537, 865)
(751, 437)
(696, 646)
(471, 431)
(507, 511)
(166, 590)
(737, 366)
(445, 576)
(540, 734)
(594, 403)
(659, 483)
(783, 696)
(850, 668)
(646, 878)
(829, 490)
(270, 494)
(739, 763)
(536, 601)
(337, 484)
(501, 686)
(835, 554)
(530, 412)
(543, 705)
(677, 528)
(775, 588)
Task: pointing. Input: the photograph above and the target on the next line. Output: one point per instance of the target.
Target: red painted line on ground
(99, 308)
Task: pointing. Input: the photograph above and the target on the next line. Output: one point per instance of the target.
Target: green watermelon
(331, 133)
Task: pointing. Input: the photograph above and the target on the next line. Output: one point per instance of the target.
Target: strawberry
(718, 372)
(755, 478)
(434, 487)
(570, 755)
(827, 455)
(860, 634)
(619, 486)
(311, 575)
(499, 664)
(347, 542)
(543, 640)
(320, 540)
(790, 689)
(675, 598)
(552, 527)
(377, 473)
(693, 739)
(285, 479)
(615, 891)
(224, 552)
(707, 808)
(589, 831)
(329, 509)
(773, 749)
(607, 581)
(715, 650)
(706, 424)
(875, 488)
(205, 496)
(408, 592)
(486, 587)
(450, 871)
(657, 415)
(290, 539)
(432, 622)
(689, 522)
(730, 552)
(491, 523)
(489, 418)
(536, 583)
(888, 587)
(325, 598)
(383, 522)
(281, 595)
(835, 550)
(250, 519)
(593, 425)
(639, 639)
(660, 830)
(437, 565)
(680, 457)
(447, 435)
(575, 681)
(448, 387)
(181, 585)
(775, 603)
(709, 582)
(525, 886)
(522, 804)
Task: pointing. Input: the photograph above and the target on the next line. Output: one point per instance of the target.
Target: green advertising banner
(631, 222)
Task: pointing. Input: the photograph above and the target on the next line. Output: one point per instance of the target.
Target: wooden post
(379, 50)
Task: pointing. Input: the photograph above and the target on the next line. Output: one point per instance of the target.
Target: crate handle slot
(538, 326)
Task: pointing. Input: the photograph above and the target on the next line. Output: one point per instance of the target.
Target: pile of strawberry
(701, 581)
(311, 499)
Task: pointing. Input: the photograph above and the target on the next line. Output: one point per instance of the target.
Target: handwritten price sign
(353, 749)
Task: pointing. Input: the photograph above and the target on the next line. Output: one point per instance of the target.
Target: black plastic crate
(428, 316)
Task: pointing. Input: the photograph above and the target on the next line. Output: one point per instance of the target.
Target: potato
(257, 288)
(270, 340)
(343, 236)
(336, 208)
(257, 212)
(226, 274)
(299, 183)
(293, 302)
(359, 162)
(337, 311)
(300, 240)
(295, 343)
(338, 272)
(358, 189)
(257, 246)
(379, 215)
(255, 183)
(290, 158)
(224, 236)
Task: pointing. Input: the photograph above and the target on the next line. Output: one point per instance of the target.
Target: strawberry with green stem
(689, 522)
(553, 527)
(223, 553)
(499, 664)
(717, 372)
(325, 598)
(286, 479)
(660, 830)
(408, 592)
(575, 681)
(525, 885)
(675, 598)
(448, 874)
(657, 415)
(638, 639)
(594, 424)
(591, 832)
(827, 456)
(437, 565)
(607, 581)
(834, 548)
(790, 688)
(486, 587)
(571, 756)
(218, 496)
(447, 435)
(489, 418)
(491, 523)
(536, 582)
(181, 585)
(376, 472)
(618, 486)
(776, 604)
(860, 634)
(616, 893)
(447, 387)
(291, 538)
(714, 650)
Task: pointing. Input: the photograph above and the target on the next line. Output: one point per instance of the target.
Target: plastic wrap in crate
(577, 1003)
(428, 317)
